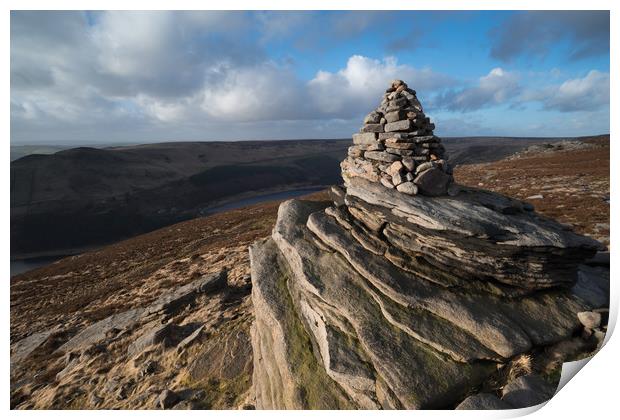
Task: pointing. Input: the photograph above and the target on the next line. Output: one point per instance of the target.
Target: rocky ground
(568, 181)
(186, 345)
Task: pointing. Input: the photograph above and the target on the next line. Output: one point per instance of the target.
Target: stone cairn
(396, 147)
(398, 295)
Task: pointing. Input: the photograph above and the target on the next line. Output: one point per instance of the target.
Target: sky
(139, 77)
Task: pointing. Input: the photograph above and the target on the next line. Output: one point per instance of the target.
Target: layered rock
(397, 148)
(388, 299)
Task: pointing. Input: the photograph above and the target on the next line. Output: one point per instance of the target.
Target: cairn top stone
(399, 131)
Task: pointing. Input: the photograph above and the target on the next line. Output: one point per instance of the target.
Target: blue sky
(108, 77)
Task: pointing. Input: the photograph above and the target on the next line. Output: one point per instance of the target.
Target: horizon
(102, 77)
(123, 144)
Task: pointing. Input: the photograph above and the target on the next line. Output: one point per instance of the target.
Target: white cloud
(497, 87)
(581, 94)
(359, 86)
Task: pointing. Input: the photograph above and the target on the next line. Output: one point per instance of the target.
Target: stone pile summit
(407, 291)
(396, 147)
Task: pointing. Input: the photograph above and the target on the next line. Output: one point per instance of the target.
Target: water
(283, 195)
(21, 266)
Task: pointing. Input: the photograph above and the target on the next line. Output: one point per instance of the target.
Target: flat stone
(407, 188)
(385, 136)
(424, 166)
(355, 152)
(172, 301)
(372, 128)
(364, 138)
(400, 145)
(394, 116)
(336, 194)
(372, 118)
(401, 152)
(381, 156)
(402, 125)
(409, 163)
(97, 332)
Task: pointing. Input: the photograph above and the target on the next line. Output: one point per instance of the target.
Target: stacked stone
(397, 148)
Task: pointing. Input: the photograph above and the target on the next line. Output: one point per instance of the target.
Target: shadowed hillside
(84, 197)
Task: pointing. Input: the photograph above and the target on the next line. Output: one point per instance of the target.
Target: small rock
(599, 336)
(408, 188)
(527, 391)
(453, 190)
(398, 179)
(589, 319)
(409, 163)
(372, 118)
(386, 183)
(423, 167)
(372, 128)
(148, 368)
(166, 399)
(394, 168)
(364, 138)
(402, 125)
(381, 156)
(483, 401)
(535, 197)
(433, 182)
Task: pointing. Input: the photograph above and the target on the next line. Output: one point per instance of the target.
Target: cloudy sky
(110, 77)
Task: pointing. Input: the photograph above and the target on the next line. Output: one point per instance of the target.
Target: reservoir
(21, 266)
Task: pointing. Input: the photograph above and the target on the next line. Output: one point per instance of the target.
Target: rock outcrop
(411, 297)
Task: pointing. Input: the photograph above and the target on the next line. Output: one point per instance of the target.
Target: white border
(592, 394)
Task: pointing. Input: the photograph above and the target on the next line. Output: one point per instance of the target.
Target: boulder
(527, 391)
(433, 182)
(167, 399)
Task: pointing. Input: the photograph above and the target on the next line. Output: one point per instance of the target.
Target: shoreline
(213, 208)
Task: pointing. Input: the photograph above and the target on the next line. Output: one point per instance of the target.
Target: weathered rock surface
(362, 313)
(395, 299)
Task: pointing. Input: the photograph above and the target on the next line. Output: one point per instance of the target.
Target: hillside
(98, 196)
(59, 300)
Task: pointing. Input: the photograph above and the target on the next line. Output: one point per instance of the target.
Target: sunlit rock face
(408, 291)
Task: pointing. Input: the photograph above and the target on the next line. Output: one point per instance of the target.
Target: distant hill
(87, 196)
